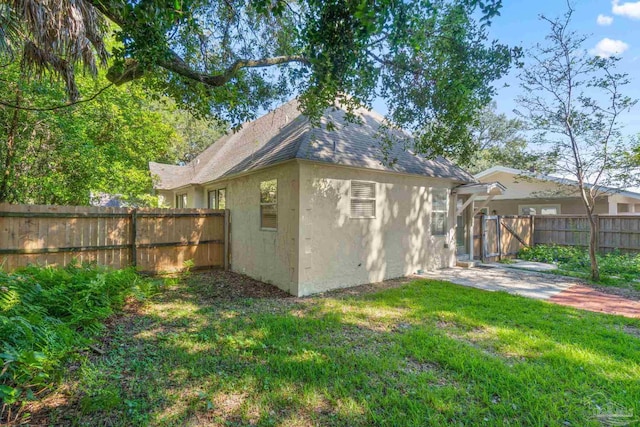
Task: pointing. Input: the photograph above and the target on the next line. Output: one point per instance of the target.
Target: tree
(192, 134)
(500, 141)
(574, 101)
(432, 61)
(62, 156)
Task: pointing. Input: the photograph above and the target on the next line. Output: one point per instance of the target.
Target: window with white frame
(439, 211)
(217, 199)
(269, 205)
(539, 209)
(363, 199)
(181, 200)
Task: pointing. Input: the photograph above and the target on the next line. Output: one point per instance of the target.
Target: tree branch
(176, 64)
(56, 107)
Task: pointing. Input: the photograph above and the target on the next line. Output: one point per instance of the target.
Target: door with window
(462, 230)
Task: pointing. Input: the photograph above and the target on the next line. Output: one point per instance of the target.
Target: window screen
(181, 201)
(269, 204)
(439, 212)
(363, 199)
(218, 199)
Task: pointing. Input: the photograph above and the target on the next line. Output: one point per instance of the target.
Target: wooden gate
(499, 236)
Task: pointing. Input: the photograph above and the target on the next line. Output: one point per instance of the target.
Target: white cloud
(604, 20)
(608, 47)
(628, 9)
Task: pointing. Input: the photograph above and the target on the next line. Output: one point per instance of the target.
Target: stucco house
(315, 208)
(531, 193)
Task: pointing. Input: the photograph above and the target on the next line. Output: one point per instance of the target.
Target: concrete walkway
(556, 289)
(520, 282)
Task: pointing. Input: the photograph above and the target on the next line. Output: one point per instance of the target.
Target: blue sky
(612, 26)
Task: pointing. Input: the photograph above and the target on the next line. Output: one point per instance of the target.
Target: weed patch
(50, 315)
(616, 269)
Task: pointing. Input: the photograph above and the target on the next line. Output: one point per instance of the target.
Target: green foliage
(432, 61)
(573, 102)
(499, 141)
(49, 314)
(192, 135)
(615, 268)
(61, 156)
(103, 146)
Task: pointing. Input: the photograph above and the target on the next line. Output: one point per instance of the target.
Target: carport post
(470, 229)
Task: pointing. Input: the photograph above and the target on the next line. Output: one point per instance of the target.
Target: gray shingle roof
(286, 134)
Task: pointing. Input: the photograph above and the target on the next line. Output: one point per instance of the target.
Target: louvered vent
(363, 199)
(269, 216)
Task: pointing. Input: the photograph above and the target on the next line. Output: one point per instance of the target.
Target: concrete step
(467, 263)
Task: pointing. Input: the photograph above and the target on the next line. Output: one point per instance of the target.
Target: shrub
(48, 314)
(615, 267)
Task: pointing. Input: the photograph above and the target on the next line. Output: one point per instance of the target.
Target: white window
(218, 199)
(181, 200)
(439, 211)
(539, 209)
(269, 205)
(363, 199)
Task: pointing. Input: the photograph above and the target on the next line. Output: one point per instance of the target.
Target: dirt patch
(628, 293)
(227, 285)
(631, 330)
(369, 288)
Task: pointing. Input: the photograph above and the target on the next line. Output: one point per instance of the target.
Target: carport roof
(481, 188)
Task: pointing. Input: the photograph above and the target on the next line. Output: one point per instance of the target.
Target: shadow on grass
(425, 353)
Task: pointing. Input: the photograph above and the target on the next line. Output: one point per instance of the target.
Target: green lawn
(424, 353)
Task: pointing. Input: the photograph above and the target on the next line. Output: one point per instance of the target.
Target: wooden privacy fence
(498, 236)
(152, 240)
(620, 232)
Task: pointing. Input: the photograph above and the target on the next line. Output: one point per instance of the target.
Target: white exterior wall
(268, 256)
(194, 197)
(338, 251)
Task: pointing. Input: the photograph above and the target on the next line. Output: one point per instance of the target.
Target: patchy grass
(616, 269)
(424, 353)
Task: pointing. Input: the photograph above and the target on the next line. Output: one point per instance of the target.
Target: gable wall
(339, 251)
(268, 256)
(522, 188)
(523, 191)
(568, 206)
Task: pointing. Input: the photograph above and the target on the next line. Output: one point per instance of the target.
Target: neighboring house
(530, 193)
(106, 200)
(314, 209)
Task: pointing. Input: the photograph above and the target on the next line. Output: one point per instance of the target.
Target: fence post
(226, 238)
(499, 235)
(483, 233)
(597, 232)
(134, 232)
(531, 230)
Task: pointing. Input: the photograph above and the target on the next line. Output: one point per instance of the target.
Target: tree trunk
(593, 246)
(8, 165)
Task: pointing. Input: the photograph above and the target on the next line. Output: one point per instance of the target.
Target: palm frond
(56, 36)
